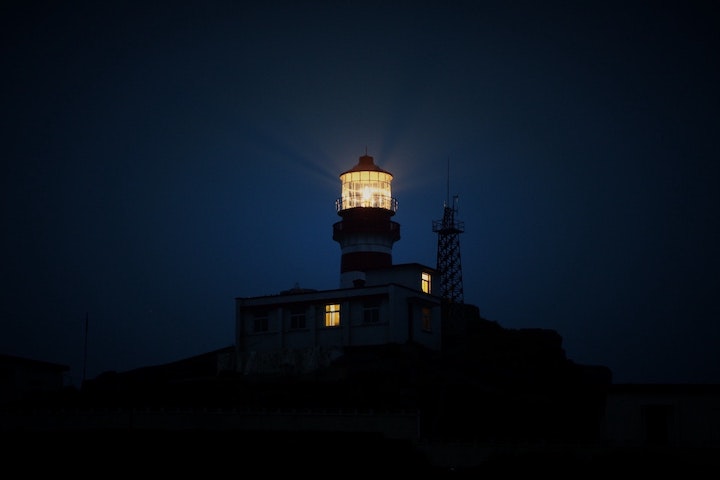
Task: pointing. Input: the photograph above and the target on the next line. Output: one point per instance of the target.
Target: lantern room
(366, 185)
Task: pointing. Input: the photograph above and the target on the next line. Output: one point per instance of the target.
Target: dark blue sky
(162, 158)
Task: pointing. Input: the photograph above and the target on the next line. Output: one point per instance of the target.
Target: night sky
(161, 159)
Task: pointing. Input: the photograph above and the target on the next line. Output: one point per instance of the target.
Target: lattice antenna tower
(449, 266)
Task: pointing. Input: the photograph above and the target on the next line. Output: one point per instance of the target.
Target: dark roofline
(15, 360)
(664, 388)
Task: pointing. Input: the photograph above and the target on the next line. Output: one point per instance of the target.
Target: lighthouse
(378, 302)
(366, 233)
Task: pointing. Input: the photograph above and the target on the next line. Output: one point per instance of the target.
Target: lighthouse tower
(366, 233)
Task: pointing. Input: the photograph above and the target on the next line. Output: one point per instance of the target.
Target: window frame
(371, 309)
(426, 318)
(331, 317)
(298, 318)
(261, 321)
(426, 282)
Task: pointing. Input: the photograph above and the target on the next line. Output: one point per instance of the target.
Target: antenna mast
(449, 266)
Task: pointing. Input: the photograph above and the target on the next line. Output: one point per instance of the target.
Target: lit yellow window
(425, 284)
(332, 315)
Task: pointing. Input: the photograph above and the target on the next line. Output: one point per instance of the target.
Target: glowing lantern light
(366, 185)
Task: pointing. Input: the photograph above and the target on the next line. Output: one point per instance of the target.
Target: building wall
(407, 274)
(663, 416)
(400, 320)
(22, 377)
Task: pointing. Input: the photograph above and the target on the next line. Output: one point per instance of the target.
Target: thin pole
(85, 350)
(447, 180)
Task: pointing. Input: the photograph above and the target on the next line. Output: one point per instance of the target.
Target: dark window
(260, 323)
(297, 318)
(426, 319)
(371, 312)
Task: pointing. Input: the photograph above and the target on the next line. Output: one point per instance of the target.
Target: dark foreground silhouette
(493, 403)
(105, 452)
